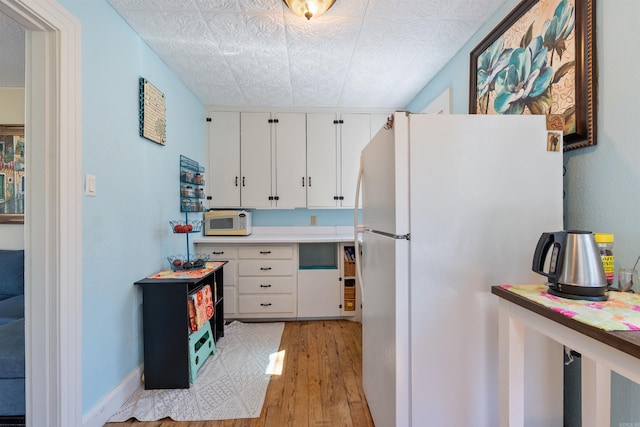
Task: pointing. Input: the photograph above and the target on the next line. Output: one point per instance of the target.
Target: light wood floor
(320, 385)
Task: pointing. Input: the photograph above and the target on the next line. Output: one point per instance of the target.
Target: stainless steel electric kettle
(575, 266)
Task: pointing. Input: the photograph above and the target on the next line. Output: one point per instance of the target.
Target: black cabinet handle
(335, 197)
(303, 181)
(236, 181)
(309, 181)
(265, 305)
(265, 268)
(276, 198)
(243, 181)
(270, 197)
(265, 252)
(218, 253)
(341, 198)
(265, 286)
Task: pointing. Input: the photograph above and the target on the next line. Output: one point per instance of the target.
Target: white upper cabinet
(378, 121)
(355, 135)
(286, 160)
(223, 170)
(273, 152)
(256, 161)
(322, 160)
(290, 136)
(334, 142)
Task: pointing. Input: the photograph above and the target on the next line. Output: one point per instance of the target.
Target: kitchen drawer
(266, 267)
(266, 285)
(266, 304)
(266, 252)
(220, 253)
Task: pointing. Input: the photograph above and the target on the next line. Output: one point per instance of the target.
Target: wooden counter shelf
(602, 352)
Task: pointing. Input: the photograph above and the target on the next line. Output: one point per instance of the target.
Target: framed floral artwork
(540, 60)
(12, 174)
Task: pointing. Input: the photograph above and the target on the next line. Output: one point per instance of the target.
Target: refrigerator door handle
(358, 230)
(391, 235)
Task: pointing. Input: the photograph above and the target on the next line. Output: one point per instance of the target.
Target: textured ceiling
(12, 37)
(256, 53)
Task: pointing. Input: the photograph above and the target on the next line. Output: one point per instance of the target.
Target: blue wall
(301, 217)
(125, 227)
(126, 233)
(602, 183)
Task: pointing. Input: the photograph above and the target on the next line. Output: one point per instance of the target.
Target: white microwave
(227, 223)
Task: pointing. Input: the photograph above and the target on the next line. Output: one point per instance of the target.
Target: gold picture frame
(12, 174)
(540, 60)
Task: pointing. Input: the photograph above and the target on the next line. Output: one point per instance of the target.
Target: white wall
(602, 183)
(11, 113)
(11, 106)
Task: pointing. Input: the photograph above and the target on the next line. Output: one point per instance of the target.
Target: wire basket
(179, 262)
(182, 226)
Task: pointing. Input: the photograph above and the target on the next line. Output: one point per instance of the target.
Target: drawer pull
(265, 252)
(265, 268)
(218, 253)
(266, 305)
(265, 286)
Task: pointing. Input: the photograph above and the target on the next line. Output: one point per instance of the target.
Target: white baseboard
(110, 404)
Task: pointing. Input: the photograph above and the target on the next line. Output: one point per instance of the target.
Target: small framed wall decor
(152, 113)
(12, 174)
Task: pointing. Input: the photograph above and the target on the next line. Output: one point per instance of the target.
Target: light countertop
(310, 234)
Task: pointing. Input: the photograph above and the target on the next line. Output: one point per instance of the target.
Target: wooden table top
(625, 341)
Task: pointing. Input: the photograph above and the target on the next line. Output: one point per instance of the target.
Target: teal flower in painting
(490, 63)
(557, 29)
(525, 81)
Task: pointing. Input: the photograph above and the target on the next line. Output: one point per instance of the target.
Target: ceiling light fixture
(309, 8)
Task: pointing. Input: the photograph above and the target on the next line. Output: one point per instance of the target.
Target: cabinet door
(223, 167)
(290, 147)
(318, 293)
(355, 134)
(378, 121)
(322, 160)
(255, 151)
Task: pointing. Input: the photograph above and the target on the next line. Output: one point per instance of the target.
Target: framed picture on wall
(12, 174)
(540, 60)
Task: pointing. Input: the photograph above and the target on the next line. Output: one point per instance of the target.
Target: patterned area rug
(230, 384)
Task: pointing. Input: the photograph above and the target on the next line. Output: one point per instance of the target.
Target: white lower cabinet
(267, 281)
(262, 281)
(318, 293)
(260, 285)
(276, 305)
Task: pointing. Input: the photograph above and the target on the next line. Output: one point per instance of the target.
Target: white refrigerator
(451, 205)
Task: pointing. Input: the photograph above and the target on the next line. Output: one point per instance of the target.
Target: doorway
(53, 231)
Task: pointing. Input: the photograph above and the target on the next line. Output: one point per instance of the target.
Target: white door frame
(53, 212)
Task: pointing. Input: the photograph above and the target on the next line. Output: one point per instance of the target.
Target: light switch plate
(90, 185)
